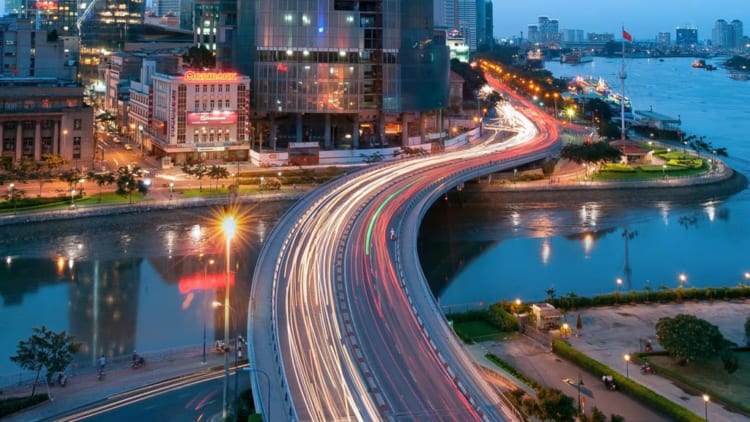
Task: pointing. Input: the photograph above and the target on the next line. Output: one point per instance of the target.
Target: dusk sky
(642, 18)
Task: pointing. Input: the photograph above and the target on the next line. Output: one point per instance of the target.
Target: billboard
(212, 118)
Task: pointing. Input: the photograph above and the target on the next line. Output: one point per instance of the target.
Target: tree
(551, 404)
(128, 181)
(45, 349)
(71, 177)
(216, 173)
(688, 338)
(590, 152)
(101, 179)
(197, 170)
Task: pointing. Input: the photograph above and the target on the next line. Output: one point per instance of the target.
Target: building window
(213, 87)
(47, 145)
(197, 104)
(197, 88)
(213, 104)
(76, 123)
(28, 147)
(220, 86)
(205, 88)
(76, 147)
(226, 104)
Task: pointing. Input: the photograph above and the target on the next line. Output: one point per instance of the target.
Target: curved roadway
(342, 323)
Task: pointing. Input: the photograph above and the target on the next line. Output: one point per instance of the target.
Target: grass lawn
(712, 379)
(481, 331)
(639, 174)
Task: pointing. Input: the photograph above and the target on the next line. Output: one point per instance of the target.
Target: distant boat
(576, 57)
(699, 64)
(710, 67)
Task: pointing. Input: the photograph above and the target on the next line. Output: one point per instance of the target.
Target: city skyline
(644, 20)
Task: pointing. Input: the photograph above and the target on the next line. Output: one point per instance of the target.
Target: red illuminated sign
(212, 118)
(46, 5)
(192, 75)
(208, 281)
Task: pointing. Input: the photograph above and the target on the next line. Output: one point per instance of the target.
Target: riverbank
(570, 187)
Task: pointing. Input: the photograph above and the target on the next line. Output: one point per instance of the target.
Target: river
(138, 282)
(508, 250)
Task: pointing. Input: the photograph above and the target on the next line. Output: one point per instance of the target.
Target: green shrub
(617, 168)
(624, 384)
(14, 404)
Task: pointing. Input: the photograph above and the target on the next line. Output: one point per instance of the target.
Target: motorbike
(138, 361)
(647, 369)
(393, 234)
(609, 382)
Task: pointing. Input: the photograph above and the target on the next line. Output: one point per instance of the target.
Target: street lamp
(205, 275)
(72, 199)
(171, 189)
(13, 196)
(706, 399)
(683, 279)
(627, 365)
(663, 170)
(229, 227)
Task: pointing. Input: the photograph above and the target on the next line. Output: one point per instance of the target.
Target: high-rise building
(737, 32)
(686, 36)
(29, 52)
(214, 24)
(105, 26)
(546, 30)
(664, 38)
(337, 72)
(489, 26)
(721, 35)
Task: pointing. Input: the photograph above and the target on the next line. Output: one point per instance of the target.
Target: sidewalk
(83, 388)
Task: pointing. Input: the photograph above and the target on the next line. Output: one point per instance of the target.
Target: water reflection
(503, 248)
(126, 283)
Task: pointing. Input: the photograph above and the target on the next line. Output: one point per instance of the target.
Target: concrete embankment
(689, 189)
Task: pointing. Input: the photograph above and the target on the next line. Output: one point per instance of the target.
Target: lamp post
(627, 365)
(706, 399)
(619, 284)
(663, 171)
(13, 196)
(205, 274)
(171, 189)
(229, 227)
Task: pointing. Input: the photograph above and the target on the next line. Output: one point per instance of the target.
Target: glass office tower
(342, 73)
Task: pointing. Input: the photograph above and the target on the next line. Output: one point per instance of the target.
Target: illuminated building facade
(40, 116)
(341, 74)
(198, 116)
(105, 26)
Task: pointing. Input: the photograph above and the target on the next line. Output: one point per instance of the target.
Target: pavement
(609, 333)
(84, 389)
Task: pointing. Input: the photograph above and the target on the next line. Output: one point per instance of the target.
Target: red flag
(626, 35)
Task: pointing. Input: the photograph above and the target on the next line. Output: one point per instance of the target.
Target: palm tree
(197, 170)
(101, 179)
(216, 173)
(128, 180)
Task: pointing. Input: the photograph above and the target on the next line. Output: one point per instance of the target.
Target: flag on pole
(626, 35)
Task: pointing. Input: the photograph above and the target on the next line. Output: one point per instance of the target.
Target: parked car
(128, 147)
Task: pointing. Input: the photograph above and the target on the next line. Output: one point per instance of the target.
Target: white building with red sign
(198, 116)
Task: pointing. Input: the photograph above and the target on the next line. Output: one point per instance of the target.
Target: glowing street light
(13, 196)
(627, 364)
(229, 227)
(706, 399)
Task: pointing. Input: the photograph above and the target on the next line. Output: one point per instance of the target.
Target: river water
(138, 282)
(506, 249)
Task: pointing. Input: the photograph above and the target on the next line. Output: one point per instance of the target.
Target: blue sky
(642, 18)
